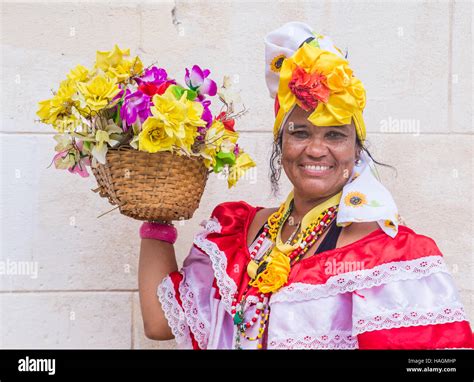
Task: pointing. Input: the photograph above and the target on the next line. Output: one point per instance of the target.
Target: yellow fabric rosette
(276, 273)
(347, 94)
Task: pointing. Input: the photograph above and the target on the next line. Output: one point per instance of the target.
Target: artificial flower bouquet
(149, 141)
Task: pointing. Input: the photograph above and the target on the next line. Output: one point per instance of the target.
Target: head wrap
(306, 69)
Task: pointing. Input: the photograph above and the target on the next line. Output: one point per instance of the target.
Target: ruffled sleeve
(196, 299)
(417, 308)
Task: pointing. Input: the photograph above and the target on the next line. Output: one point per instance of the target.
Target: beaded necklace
(274, 223)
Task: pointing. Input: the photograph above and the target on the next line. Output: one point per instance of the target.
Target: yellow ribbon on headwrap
(347, 94)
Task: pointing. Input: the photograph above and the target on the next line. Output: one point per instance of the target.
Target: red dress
(376, 293)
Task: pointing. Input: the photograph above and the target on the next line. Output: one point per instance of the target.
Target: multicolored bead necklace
(307, 238)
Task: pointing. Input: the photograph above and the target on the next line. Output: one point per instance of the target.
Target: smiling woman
(331, 267)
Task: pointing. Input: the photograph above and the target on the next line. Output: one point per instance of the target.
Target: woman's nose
(316, 147)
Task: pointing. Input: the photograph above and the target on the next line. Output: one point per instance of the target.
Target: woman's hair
(275, 161)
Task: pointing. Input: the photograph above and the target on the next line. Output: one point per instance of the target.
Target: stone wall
(414, 57)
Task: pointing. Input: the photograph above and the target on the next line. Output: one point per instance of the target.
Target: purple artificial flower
(197, 80)
(153, 75)
(135, 105)
(236, 149)
(206, 114)
(119, 94)
(118, 97)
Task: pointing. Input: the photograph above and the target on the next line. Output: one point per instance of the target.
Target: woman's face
(318, 160)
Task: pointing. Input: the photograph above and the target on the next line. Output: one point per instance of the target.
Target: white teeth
(317, 168)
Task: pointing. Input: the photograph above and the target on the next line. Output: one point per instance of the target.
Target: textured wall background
(414, 57)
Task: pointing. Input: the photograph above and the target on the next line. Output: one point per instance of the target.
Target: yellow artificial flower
(105, 59)
(227, 146)
(190, 134)
(107, 135)
(347, 93)
(181, 117)
(99, 151)
(174, 111)
(217, 133)
(64, 160)
(126, 69)
(217, 138)
(156, 136)
(98, 92)
(116, 66)
(57, 111)
(64, 142)
(209, 154)
(194, 112)
(242, 164)
(79, 74)
(276, 273)
(169, 109)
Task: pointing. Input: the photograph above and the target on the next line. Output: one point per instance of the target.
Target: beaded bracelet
(159, 231)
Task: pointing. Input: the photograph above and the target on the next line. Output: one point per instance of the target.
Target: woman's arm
(157, 260)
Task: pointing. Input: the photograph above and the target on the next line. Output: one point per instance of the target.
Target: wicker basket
(145, 186)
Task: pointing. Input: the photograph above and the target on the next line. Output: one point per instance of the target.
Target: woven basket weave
(146, 186)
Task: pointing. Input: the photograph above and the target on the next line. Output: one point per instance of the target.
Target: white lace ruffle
(198, 327)
(174, 313)
(332, 340)
(367, 278)
(227, 286)
(398, 319)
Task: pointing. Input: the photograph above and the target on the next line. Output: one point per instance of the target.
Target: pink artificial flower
(80, 167)
(197, 80)
(152, 75)
(60, 160)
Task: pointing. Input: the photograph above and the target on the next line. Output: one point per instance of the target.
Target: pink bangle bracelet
(159, 231)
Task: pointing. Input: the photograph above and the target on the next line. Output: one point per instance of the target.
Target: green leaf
(117, 116)
(228, 158)
(191, 94)
(222, 159)
(178, 92)
(119, 107)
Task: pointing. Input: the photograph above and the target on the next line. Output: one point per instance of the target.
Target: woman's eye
(300, 134)
(335, 134)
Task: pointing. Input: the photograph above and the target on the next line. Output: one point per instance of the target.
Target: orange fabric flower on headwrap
(315, 76)
(308, 88)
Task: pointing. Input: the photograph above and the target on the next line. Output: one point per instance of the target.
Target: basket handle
(105, 213)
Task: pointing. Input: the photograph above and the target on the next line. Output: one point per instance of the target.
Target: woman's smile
(316, 169)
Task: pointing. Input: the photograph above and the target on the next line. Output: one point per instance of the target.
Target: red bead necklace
(310, 235)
